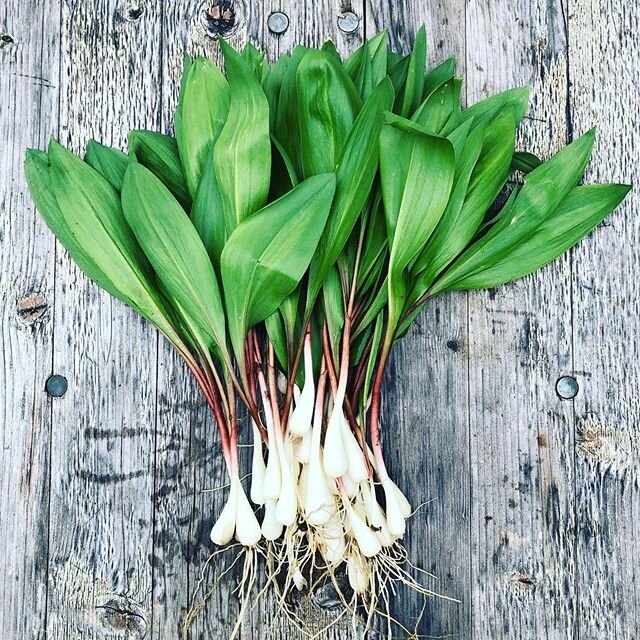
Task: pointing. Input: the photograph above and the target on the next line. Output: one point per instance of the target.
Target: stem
(273, 389)
(374, 423)
(292, 377)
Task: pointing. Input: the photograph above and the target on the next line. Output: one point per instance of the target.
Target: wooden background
(533, 519)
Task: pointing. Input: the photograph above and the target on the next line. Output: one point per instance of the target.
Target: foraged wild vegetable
(285, 239)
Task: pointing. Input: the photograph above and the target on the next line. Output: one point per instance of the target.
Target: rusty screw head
(278, 22)
(348, 22)
(56, 386)
(567, 387)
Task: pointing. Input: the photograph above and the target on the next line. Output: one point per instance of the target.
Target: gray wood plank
(605, 73)
(103, 440)
(425, 404)
(28, 116)
(520, 343)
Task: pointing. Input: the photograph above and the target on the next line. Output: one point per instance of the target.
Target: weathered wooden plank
(29, 62)
(605, 73)
(103, 436)
(520, 343)
(425, 403)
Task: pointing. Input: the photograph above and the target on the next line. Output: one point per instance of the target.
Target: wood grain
(520, 342)
(28, 116)
(103, 429)
(605, 71)
(532, 502)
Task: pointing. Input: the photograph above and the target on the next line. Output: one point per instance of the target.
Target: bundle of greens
(286, 238)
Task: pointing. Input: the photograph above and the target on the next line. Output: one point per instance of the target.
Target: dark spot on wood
(134, 14)
(512, 503)
(454, 345)
(110, 478)
(218, 18)
(502, 545)
(488, 519)
(120, 613)
(492, 293)
(552, 512)
(5, 38)
(32, 309)
(542, 441)
(99, 434)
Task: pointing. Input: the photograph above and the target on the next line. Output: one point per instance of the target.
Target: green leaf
(200, 116)
(441, 108)
(255, 61)
(242, 154)
(333, 305)
(543, 191)
(414, 86)
(327, 106)
(583, 209)
(159, 153)
(274, 325)
(438, 75)
(481, 173)
(83, 211)
(272, 86)
(267, 255)
(525, 162)
(355, 173)
(110, 162)
(175, 251)
(373, 67)
(514, 101)
(397, 72)
(207, 212)
(412, 205)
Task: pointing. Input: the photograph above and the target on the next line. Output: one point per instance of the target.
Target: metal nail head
(56, 386)
(567, 387)
(278, 22)
(348, 22)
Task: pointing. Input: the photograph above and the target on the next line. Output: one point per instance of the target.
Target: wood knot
(521, 585)
(614, 448)
(5, 39)
(32, 309)
(121, 614)
(218, 18)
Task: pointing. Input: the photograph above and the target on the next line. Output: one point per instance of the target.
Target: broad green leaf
(274, 325)
(583, 209)
(438, 75)
(333, 305)
(515, 101)
(272, 86)
(481, 173)
(329, 48)
(207, 212)
(353, 64)
(267, 255)
(174, 249)
(412, 205)
(397, 72)
(327, 107)
(286, 129)
(110, 162)
(83, 211)
(525, 161)
(200, 116)
(355, 173)
(159, 153)
(544, 190)
(373, 68)
(441, 108)
(414, 86)
(242, 154)
(255, 61)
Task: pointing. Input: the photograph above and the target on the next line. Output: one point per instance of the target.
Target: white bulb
(355, 456)
(271, 528)
(258, 468)
(247, 525)
(365, 537)
(225, 525)
(335, 458)
(358, 575)
(303, 448)
(287, 505)
(395, 519)
(333, 541)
